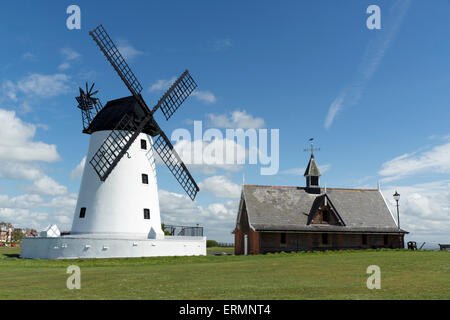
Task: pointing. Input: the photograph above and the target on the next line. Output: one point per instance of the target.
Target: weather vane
(311, 148)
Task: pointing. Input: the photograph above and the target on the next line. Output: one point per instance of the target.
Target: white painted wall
(117, 204)
(71, 247)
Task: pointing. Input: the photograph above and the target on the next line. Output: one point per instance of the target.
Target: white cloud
(19, 171)
(35, 85)
(78, 171)
(374, 53)
(221, 44)
(25, 201)
(9, 90)
(435, 160)
(425, 207)
(424, 210)
(237, 119)
(127, 50)
(44, 85)
(29, 218)
(25, 108)
(162, 84)
(205, 96)
(201, 156)
(47, 186)
(218, 219)
(220, 187)
(335, 107)
(69, 54)
(19, 160)
(23, 218)
(29, 56)
(64, 66)
(16, 143)
(63, 201)
(25, 210)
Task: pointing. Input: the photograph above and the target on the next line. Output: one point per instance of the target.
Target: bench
(444, 246)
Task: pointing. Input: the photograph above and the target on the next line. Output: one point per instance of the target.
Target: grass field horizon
(308, 275)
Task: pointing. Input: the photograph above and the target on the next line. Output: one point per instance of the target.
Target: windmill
(119, 194)
(117, 212)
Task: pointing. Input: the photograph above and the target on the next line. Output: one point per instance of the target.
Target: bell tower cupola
(312, 173)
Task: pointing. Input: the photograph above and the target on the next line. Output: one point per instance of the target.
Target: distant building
(29, 233)
(6, 230)
(273, 219)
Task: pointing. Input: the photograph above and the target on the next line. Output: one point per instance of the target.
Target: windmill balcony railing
(184, 231)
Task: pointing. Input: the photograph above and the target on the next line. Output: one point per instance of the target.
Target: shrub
(211, 243)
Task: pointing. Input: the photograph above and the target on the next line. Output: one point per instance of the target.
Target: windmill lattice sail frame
(128, 129)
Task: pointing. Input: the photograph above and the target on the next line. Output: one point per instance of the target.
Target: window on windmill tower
(82, 212)
(144, 178)
(147, 214)
(314, 181)
(143, 144)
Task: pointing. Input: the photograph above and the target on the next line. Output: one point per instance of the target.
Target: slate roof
(312, 169)
(288, 208)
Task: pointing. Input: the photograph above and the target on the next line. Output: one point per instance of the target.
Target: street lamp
(396, 198)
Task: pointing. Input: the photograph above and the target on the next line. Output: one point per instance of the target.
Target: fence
(186, 231)
(225, 244)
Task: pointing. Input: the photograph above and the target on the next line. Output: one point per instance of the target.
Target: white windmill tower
(118, 208)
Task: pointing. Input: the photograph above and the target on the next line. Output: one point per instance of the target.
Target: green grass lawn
(213, 250)
(319, 275)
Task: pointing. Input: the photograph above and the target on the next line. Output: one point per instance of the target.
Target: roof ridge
(297, 187)
(268, 186)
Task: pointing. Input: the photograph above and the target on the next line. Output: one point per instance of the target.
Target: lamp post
(397, 198)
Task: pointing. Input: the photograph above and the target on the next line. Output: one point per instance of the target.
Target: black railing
(185, 231)
(225, 244)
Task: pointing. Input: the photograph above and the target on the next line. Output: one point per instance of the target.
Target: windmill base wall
(73, 247)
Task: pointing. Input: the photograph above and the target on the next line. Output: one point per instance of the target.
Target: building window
(143, 144)
(314, 181)
(282, 238)
(82, 212)
(325, 217)
(386, 240)
(364, 239)
(324, 238)
(144, 178)
(147, 214)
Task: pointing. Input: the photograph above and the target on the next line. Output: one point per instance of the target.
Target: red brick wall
(238, 239)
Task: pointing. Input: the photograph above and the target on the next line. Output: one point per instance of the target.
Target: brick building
(273, 219)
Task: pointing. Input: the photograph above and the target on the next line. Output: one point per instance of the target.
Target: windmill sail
(127, 130)
(116, 59)
(116, 145)
(170, 157)
(175, 96)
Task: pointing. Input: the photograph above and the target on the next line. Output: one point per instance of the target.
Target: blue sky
(258, 63)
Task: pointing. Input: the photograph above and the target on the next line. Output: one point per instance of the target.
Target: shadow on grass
(11, 255)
